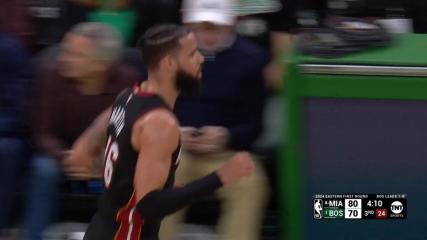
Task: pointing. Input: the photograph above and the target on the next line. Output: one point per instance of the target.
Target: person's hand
(187, 134)
(65, 159)
(189, 138)
(211, 139)
(72, 158)
(76, 167)
(240, 166)
(207, 139)
(72, 168)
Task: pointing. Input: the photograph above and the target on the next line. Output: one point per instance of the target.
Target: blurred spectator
(270, 23)
(270, 26)
(225, 117)
(15, 91)
(15, 19)
(73, 90)
(282, 25)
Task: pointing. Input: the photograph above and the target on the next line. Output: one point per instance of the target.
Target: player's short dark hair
(160, 40)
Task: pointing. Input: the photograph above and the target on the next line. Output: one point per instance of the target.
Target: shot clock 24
(359, 206)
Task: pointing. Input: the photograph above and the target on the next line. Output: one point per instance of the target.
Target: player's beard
(187, 84)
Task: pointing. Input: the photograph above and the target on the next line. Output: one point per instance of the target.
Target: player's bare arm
(85, 159)
(155, 136)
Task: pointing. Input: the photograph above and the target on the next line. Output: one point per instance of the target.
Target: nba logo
(318, 208)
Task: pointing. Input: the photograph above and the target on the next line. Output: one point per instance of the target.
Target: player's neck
(162, 87)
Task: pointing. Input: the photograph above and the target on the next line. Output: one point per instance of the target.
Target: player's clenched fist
(239, 166)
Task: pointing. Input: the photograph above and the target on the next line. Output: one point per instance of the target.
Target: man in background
(72, 90)
(226, 117)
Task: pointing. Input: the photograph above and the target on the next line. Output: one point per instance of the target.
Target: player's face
(211, 37)
(76, 60)
(189, 62)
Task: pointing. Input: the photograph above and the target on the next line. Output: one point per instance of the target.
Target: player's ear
(169, 62)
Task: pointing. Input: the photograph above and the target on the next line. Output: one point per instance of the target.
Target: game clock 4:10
(374, 203)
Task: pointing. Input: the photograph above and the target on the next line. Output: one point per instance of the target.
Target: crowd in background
(58, 72)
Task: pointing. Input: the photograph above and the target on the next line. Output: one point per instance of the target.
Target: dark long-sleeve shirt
(232, 94)
(15, 87)
(63, 113)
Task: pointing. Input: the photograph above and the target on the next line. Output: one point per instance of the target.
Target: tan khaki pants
(242, 204)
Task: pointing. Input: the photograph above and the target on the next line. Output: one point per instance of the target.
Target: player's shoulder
(160, 117)
(158, 126)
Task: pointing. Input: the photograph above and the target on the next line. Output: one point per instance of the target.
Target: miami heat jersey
(117, 217)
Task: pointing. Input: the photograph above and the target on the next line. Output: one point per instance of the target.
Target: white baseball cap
(215, 11)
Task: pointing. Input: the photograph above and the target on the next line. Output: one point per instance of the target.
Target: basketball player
(143, 145)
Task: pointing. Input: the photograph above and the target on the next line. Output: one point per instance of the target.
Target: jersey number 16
(111, 155)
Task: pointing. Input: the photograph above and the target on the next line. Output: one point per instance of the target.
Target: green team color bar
(395, 72)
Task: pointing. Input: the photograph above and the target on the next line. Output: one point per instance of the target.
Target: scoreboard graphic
(359, 206)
